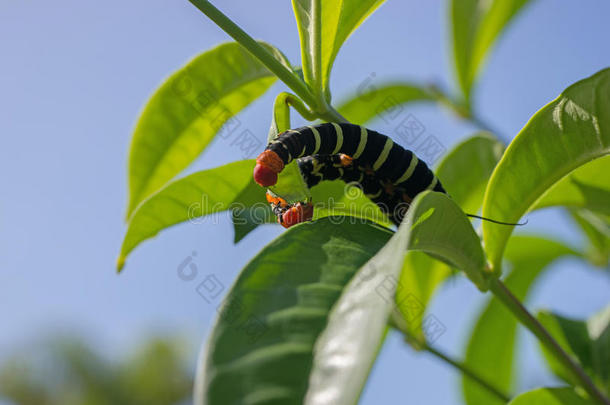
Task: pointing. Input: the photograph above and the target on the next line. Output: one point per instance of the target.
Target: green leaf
(476, 25)
(357, 323)
(369, 103)
(588, 342)
(550, 396)
(420, 276)
(250, 211)
(464, 172)
(194, 196)
(491, 348)
(274, 313)
(586, 187)
(339, 18)
(564, 135)
(187, 111)
(332, 198)
(597, 229)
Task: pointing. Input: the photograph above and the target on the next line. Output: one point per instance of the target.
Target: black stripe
(351, 138)
(328, 138)
(391, 168)
(419, 181)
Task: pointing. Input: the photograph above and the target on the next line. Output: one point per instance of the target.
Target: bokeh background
(74, 76)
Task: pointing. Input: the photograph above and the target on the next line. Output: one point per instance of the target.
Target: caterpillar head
(268, 165)
(300, 212)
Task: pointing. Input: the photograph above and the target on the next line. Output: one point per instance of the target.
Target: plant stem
(316, 38)
(464, 369)
(521, 313)
(291, 100)
(258, 51)
(399, 323)
(317, 102)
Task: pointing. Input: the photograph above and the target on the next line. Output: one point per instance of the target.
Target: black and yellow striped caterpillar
(388, 174)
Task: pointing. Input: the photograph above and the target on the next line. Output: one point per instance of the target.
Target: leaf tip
(120, 263)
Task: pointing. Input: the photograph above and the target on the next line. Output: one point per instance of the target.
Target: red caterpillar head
(268, 165)
(296, 214)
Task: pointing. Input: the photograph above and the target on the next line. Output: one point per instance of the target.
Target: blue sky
(74, 76)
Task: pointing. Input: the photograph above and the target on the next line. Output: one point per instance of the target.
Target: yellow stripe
(384, 154)
(433, 183)
(316, 135)
(339, 133)
(364, 136)
(409, 170)
(303, 151)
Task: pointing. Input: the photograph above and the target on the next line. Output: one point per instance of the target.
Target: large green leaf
(464, 173)
(189, 198)
(491, 349)
(550, 396)
(586, 187)
(357, 323)
(188, 110)
(588, 341)
(564, 135)
(378, 100)
(339, 18)
(476, 25)
(274, 313)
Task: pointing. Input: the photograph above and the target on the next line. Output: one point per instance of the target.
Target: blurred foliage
(67, 371)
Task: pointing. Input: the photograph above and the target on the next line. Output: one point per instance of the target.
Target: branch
(521, 313)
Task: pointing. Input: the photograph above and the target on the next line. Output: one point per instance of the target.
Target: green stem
(317, 52)
(464, 369)
(521, 313)
(258, 51)
(399, 323)
(291, 100)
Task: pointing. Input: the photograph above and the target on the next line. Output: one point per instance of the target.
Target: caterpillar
(388, 174)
